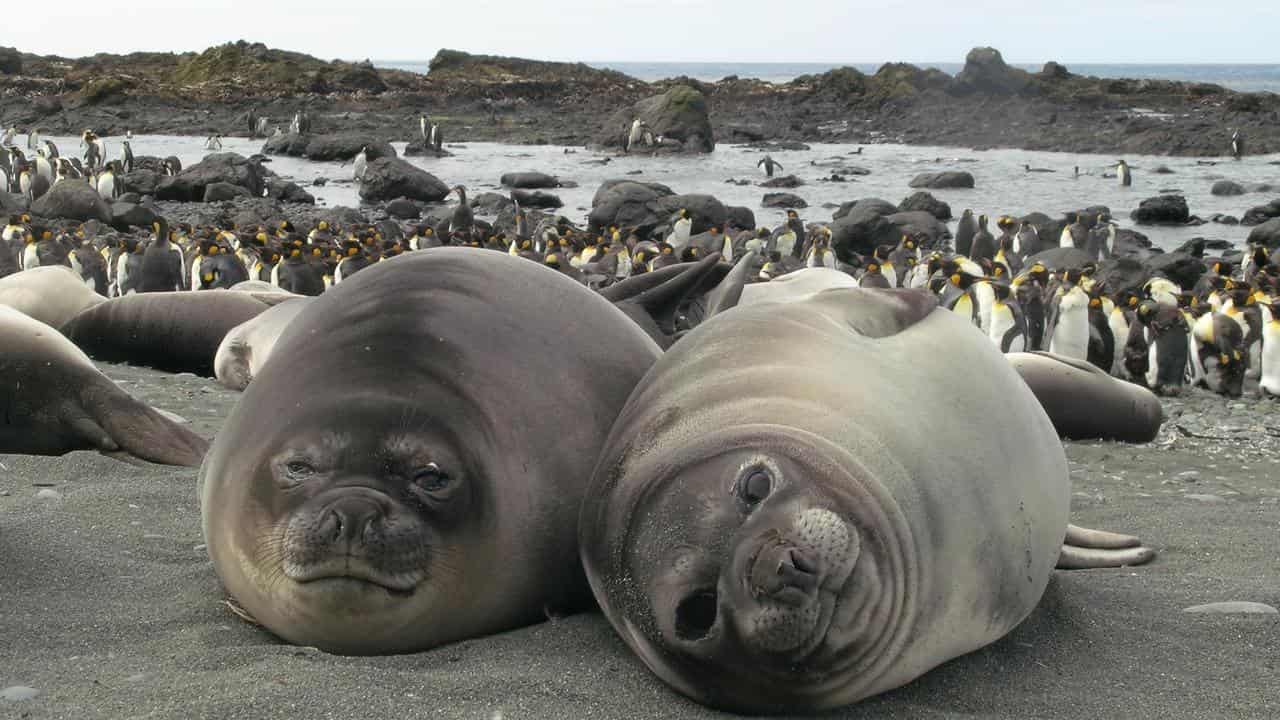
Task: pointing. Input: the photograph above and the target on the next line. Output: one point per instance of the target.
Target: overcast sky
(829, 31)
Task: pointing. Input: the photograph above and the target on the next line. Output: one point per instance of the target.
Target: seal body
(1086, 403)
(431, 492)
(247, 346)
(54, 401)
(773, 533)
(53, 295)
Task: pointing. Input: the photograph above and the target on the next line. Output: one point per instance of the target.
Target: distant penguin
(106, 184)
(33, 139)
(635, 135)
(360, 163)
(6, 137)
(463, 219)
(1075, 234)
(214, 142)
(680, 233)
(423, 129)
(1120, 317)
(1102, 341)
(873, 278)
(1221, 353)
(1237, 145)
(965, 231)
(1123, 174)
(162, 263)
(1101, 242)
(984, 243)
(769, 165)
(1027, 240)
(436, 139)
(126, 156)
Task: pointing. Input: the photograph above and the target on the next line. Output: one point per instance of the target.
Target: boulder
(740, 217)
(419, 148)
(125, 215)
(1227, 187)
(390, 178)
(942, 180)
(1122, 273)
(529, 180)
(220, 191)
(289, 192)
(10, 61)
(783, 200)
(923, 226)
(1163, 170)
(1061, 258)
(72, 200)
(679, 117)
(985, 71)
(1261, 213)
(704, 210)
(536, 198)
(925, 202)
(143, 182)
(189, 185)
(12, 202)
(1162, 210)
(625, 203)
(345, 146)
(786, 181)
(1268, 233)
(883, 207)
(490, 203)
(403, 209)
(860, 226)
(1179, 267)
(291, 144)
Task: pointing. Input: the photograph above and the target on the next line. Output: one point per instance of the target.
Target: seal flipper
(660, 303)
(877, 313)
(727, 294)
(119, 425)
(1084, 549)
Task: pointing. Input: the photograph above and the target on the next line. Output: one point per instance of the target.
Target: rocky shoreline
(478, 98)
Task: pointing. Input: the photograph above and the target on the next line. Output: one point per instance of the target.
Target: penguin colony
(32, 172)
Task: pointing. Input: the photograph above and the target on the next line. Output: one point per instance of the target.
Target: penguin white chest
(1071, 332)
(1270, 379)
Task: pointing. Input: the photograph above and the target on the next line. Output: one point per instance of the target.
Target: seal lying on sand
(53, 401)
(1085, 403)
(772, 531)
(247, 346)
(407, 468)
(52, 294)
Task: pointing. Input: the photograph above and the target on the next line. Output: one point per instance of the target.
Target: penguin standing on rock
(1075, 234)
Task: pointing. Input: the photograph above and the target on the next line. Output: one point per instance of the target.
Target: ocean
(1246, 78)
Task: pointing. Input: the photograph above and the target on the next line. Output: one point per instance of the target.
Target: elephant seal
(52, 294)
(54, 401)
(795, 285)
(170, 331)
(407, 468)
(1085, 403)
(247, 346)
(773, 533)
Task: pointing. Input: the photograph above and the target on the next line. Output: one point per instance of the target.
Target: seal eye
(696, 615)
(756, 487)
(431, 478)
(299, 470)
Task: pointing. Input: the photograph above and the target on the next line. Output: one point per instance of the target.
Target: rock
(1209, 499)
(942, 180)
(537, 199)
(291, 144)
(1060, 258)
(1227, 187)
(1224, 219)
(786, 181)
(1054, 71)
(924, 202)
(18, 693)
(920, 225)
(12, 202)
(1236, 607)
(289, 192)
(704, 210)
(777, 145)
(1268, 233)
(48, 494)
(10, 61)
(72, 200)
(403, 209)
(419, 148)
(1163, 170)
(143, 182)
(490, 203)
(860, 226)
(189, 185)
(529, 180)
(985, 71)
(220, 191)
(1180, 267)
(679, 116)
(345, 146)
(625, 203)
(130, 197)
(1122, 273)
(783, 200)
(389, 178)
(1261, 213)
(125, 215)
(1162, 210)
(740, 217)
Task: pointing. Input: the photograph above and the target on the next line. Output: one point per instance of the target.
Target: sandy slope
(110, 608)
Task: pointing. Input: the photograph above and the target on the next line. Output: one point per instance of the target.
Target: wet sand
(110, 608)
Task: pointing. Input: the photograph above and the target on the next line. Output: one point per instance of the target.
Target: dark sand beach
(109, 606)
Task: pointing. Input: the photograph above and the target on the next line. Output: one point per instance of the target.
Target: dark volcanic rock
(1268, 233)
(985, 71)
(680, 115)
(289, 192)
(1227, 187)
(143, 182)
(189, 185)
(291, 144)
(403, 209)
(944, 179)
(220, 191)
(536, 199)
(345, 146)
(1261, 213)
(10, 61)
(490, 203)
(419, 148)
(783, 200)
(922, 226)
(1162, 210)
(12, 202)
(389, 178)
(786, 181)
(72, 200)
(860, 226)
(1122, 273)
(125, 215)
(740, 217)
(926, 202)
(625, 203)
(529, 180)
(1178, 266)
(1061, 258)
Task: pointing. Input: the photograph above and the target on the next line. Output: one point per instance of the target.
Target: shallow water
(1003, 186)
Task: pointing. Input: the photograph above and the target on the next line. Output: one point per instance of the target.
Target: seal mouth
(346, 569)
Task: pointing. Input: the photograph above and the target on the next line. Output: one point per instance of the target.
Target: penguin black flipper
(1019, 327)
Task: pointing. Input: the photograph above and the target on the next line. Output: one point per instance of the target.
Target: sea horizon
(1243, 77)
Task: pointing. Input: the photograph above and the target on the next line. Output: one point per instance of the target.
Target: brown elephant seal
(407, 468)
(54, 401)
(772, 532)
(52, 294)
(1085, 403)
(170, 331)
(247, 346)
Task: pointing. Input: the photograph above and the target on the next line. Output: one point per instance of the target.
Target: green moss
(96, 91)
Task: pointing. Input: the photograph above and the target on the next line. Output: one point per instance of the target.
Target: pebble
(18, 692)
(47, 494)
(1233, 608)
(1205, 498)
(137, 678)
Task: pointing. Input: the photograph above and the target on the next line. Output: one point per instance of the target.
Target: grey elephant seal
(54, 401)
(247, 346)
(170, 331)
(52, 294)
(771, 532)
(407, 468)
(1085, 403)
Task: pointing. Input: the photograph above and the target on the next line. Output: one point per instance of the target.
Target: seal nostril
(696, 615)
(802, 562)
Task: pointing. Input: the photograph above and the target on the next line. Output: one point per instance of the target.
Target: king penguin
(965, 231)
(1008, 325)
(1269, 382)
(1123, 174)
(1068, 324)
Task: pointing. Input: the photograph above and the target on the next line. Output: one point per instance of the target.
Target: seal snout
(350, 519)
(787, 574)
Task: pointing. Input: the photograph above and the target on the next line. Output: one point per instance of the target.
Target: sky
(823, 31)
